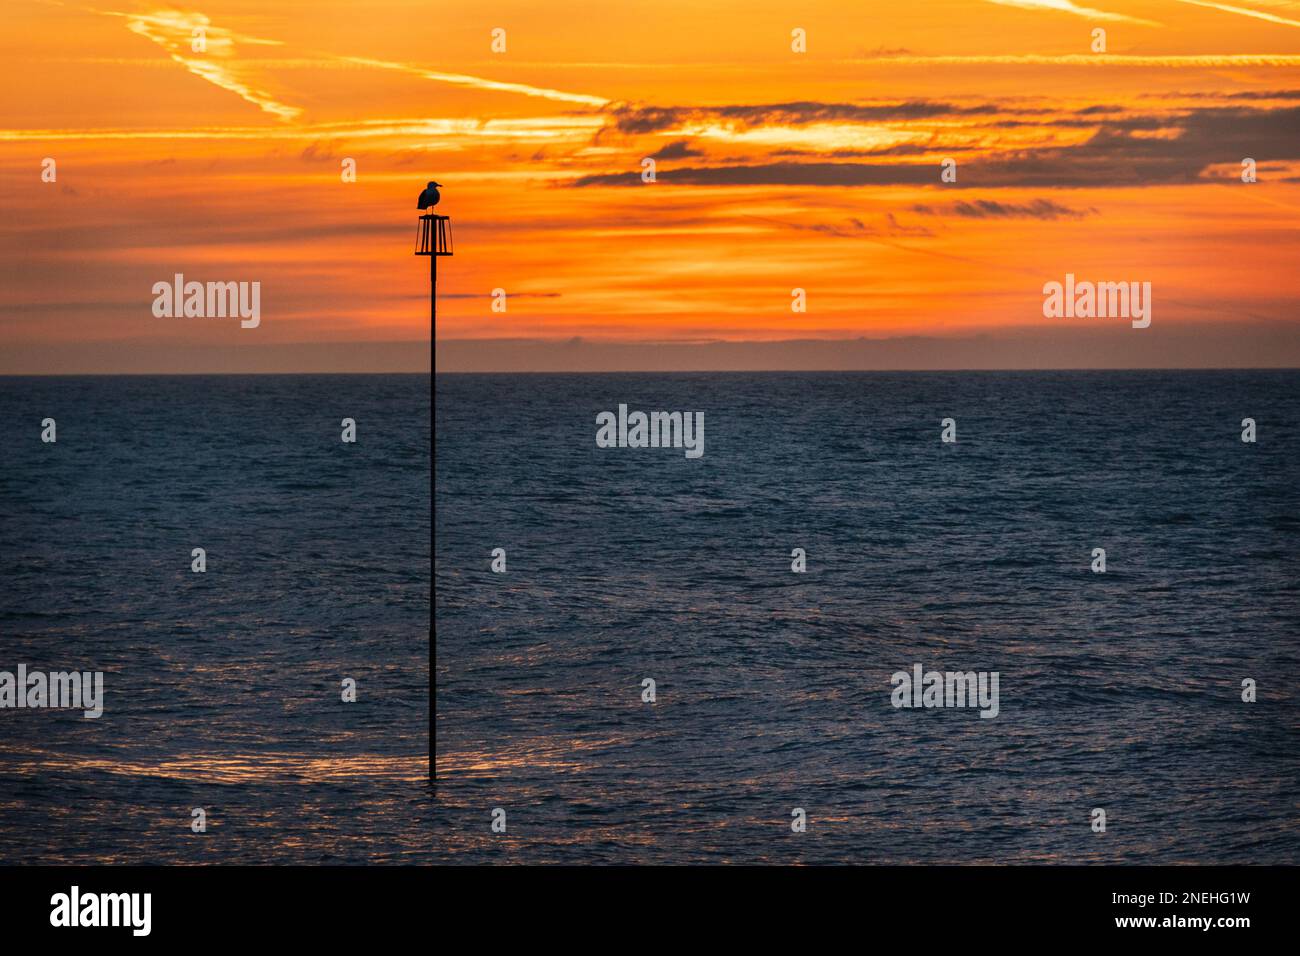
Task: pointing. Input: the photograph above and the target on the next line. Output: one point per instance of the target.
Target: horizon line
(764, 371)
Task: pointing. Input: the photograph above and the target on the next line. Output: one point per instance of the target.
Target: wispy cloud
(1138, 151)
(479, 83)
(506, 130)
(1065, 6)
(628, 118)
(1041, 209)
(174, 31)
(1188, 61)
(853, 227)
(1243, 11)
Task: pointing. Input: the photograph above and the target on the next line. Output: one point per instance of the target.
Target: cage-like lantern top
(433, 236)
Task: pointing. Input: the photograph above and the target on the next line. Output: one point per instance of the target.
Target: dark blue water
(1119, 691)
(223, 689)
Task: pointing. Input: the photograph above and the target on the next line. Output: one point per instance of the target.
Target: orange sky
(775, 170)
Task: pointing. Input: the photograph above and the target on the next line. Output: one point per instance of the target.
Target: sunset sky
(775, 170)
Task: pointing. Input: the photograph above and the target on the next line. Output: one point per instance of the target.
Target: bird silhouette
(429, 198)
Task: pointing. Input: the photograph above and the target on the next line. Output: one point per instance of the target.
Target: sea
(1119, 691)
(566, 577)
(223, 690)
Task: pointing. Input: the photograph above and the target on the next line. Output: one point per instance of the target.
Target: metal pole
(431, 244)
(433, 650)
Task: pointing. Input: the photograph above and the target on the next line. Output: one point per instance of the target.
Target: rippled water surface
(222, 690)
(1119, 690)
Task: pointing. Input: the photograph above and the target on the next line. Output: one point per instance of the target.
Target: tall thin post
(432, 239)
(433, 650)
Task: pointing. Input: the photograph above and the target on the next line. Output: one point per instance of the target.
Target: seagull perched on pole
(429, 198)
